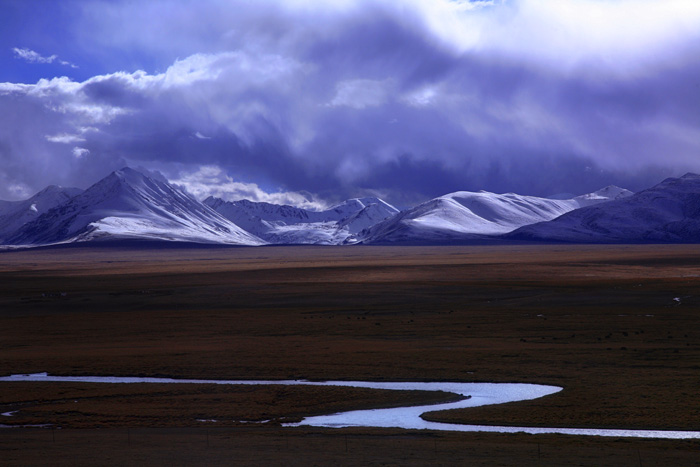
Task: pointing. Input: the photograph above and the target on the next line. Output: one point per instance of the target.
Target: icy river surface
(475, 394)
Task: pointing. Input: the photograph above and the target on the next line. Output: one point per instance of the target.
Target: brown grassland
(618, 327)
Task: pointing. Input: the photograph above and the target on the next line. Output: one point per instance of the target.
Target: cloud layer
(407, 100)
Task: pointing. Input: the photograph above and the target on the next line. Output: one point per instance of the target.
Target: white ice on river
(475, 394)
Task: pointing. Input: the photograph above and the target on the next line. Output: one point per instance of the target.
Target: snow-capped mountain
(609, 193)
(368, 216)
(128, 204)
(464, 216)
(14, 214)
(288, 224)
(667, 212)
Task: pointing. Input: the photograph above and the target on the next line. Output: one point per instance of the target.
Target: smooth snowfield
(401, 417)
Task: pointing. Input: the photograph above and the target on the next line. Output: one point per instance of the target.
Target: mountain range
(281, 224)
(464, 216)
(666, 213)
(138, 205)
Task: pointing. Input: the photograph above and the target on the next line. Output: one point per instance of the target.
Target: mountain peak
(126, 172)
(131, 204)
(55, 192)
(129, 174)
(688, 177)
(50, 189)
(367, 200)
(139, 175)
(353, 205)
(610, 192)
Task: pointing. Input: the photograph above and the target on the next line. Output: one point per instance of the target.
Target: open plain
(618, 327)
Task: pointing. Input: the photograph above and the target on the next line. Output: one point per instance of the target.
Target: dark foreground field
(617, 326)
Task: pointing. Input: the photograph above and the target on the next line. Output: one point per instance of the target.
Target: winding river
(476, 394)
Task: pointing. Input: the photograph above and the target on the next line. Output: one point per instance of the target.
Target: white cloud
(92, 113)
(51, 87)
(72, 65)
(34, 57)
(64, 96)
(198, 67)
(614, 33)
(19, 191)
(422, 97)
(244, 68)
(240, 71)
(65, 138)
(210, 180)
(79, 152)
(361, 93)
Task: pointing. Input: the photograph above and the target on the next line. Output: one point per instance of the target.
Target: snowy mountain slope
(464, 215)
(128, 204)
(14, 214)
(282, 224)
(368, 216)
(667, 212)
(609, 193)
(314, 233)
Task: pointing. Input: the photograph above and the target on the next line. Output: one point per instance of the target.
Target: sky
(309, 103)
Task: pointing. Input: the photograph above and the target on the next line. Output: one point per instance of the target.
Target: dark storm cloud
(344, 99)
(375, 45)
